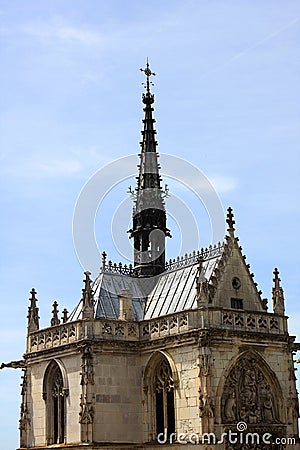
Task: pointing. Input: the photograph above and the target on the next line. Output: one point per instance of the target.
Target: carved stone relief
(24, 422)
(86, 414)
(204, 339)
(87, 374)
(206, 408)
(248, 395)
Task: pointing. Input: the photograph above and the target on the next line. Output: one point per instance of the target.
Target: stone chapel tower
(179, 352)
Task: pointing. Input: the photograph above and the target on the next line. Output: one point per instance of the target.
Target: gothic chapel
(162, 353)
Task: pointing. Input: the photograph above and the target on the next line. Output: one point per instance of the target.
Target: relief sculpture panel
(249, 394)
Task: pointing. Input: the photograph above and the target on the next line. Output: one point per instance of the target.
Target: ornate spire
(230, 222)
(55, 320)
(33, 313)
(148, 189)
(277, 294)
(87, 298)
(149, 216)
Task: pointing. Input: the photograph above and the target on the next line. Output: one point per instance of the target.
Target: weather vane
(147, 71)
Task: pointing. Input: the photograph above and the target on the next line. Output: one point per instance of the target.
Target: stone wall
(70, 365)
(118, 402)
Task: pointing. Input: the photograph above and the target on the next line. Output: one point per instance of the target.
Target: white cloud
(54, 168)
(45, 169)
(58, 28)
(217, 183)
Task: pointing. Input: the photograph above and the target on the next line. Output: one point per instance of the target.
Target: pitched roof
(172, 291)
(175, 289)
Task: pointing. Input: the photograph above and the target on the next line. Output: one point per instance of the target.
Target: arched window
(164, 398)
(54, 394)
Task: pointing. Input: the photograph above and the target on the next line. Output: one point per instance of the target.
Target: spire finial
(276, 278)
(277, 294)
(65, 315)
(230, 222)
(104, 255)
(87, 282)
(87, 298)
(55, 320)
(33, 313)
(148, 72)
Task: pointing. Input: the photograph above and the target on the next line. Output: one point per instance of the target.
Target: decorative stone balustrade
(168, 325)
(112, 329)
(109, 329)
(249, 321)
(54, 336)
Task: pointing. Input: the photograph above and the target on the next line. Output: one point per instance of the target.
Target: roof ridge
(210, 252)
(192, 258)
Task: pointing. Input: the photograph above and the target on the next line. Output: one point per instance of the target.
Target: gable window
(164, 399)
(237, 303)
(54, 394)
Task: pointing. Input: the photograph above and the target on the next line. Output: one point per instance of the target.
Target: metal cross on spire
(148, 72)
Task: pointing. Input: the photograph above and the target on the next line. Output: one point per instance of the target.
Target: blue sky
(227, 100)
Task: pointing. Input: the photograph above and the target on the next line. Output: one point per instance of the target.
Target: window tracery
(164, 398)
(54, 394)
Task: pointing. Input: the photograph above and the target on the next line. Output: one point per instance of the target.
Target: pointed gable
(235, 287)
(232, 282)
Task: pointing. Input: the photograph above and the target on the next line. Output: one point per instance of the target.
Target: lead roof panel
(170, 292)
(173, 291)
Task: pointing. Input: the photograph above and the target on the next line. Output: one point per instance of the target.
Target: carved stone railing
(116, 329)
(249, 321)
(112, 329)
(168, 325)
(54, 336)
(147, 329)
